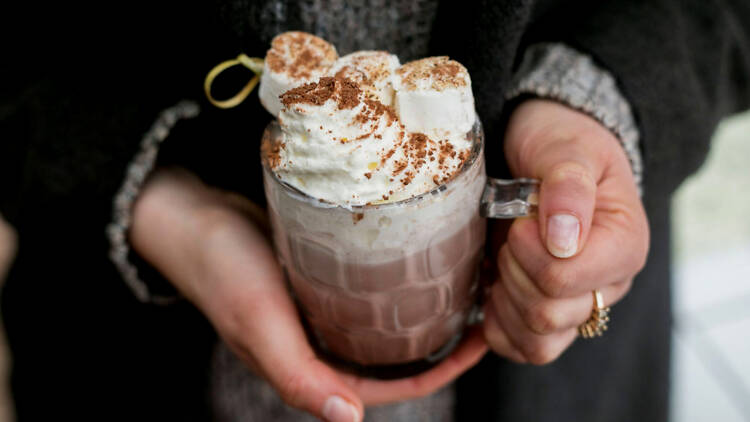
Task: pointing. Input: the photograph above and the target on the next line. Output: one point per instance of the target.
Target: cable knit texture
(558, 72)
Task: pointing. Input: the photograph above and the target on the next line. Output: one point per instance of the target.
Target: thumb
(566, 207)
(311, 385)
(272, 341)
(247, 301)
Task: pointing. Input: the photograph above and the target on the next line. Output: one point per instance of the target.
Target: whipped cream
(433, 96)
(372, 70)
(340, 146)
(295, 58)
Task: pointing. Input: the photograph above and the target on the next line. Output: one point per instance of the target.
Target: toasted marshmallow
(295, 58)
(372, 70)
(433, 96)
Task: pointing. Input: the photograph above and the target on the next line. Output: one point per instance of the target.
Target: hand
(211, 246)
(591, 233)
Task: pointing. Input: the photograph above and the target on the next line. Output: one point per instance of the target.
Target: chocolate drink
(383, 286)
(392, 312)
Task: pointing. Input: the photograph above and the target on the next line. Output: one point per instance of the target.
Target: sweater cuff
(145, 282)
(560, 73)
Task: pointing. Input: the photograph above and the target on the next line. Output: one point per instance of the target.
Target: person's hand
(590, 233)
(211, 245)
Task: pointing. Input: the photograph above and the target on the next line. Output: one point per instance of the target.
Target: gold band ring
(596, 325)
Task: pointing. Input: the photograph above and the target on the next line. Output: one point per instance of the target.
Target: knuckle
(553, 280)
(291, 388)
(572, 172)
(493, 334)
(541, 318)
(540, 353)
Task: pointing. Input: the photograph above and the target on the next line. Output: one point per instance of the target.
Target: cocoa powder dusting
(462, 157)
(400, 166)
(275, 62)
(315, 93)
(304, 63)
(271, 152)
(418, 143)
(388, 155)
(345, 92)
(349, 95)
(311, 55)
(443, 72)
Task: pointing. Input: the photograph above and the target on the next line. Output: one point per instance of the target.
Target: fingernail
(562, 235)
(337, 409)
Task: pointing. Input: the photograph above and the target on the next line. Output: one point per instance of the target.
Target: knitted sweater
(82, 96)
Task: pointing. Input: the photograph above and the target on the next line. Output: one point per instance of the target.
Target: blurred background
(711, 262)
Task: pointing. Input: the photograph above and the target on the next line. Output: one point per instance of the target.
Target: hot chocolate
(383, 284)
(373, 176)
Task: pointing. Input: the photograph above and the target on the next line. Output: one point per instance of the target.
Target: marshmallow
(372, 70)
(433, 96)
(295, 58)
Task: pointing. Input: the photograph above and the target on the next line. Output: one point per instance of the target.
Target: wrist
(184, 228)
(170, 217)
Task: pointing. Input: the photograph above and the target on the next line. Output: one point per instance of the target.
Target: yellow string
(255, 64)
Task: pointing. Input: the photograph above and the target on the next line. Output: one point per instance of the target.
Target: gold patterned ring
(596, 325)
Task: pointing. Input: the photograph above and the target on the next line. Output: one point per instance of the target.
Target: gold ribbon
(255, 64)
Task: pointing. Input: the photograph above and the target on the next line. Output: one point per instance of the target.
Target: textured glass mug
(387, 289)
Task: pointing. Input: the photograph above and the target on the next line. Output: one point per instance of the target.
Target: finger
(612, 254)
(259, 320)
(537, 349)
(467, 354)
(544, 315)
(497, 338)
(566, 206)
(569, 168)
(292, 368)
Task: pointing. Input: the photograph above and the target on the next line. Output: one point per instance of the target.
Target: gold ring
(596, 325)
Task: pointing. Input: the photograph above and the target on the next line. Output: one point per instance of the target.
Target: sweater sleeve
(75, 122)
(682, 65)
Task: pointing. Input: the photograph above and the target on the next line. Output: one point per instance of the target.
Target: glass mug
(386, 289)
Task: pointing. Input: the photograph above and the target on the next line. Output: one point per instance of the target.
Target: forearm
(177, 217)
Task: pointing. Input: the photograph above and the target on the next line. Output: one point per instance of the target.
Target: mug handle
(505, 199)
(509, 198)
